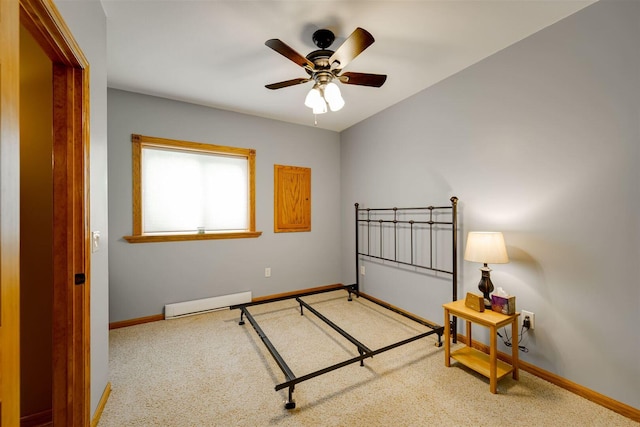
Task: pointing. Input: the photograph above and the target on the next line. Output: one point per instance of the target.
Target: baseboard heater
(189, 308)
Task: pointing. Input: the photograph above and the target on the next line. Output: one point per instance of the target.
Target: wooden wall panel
(292, 198)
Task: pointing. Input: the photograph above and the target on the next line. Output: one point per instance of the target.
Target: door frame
(9, 214)
(71, 261)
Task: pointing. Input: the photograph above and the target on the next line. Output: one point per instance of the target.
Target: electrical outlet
(362, 270)
(267, 272)
(532, 318)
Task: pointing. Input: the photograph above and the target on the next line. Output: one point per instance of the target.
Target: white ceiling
(212, 52)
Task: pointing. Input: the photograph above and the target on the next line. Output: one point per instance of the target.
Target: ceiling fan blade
(363, 79)
(357, 42)
(286, 83)
(286, 51)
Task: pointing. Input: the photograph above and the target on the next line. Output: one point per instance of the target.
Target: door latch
(80, 278)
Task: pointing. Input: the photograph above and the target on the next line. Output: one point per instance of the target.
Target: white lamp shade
(313, 98)
(315, 101)
(486, 247)
(333, 96)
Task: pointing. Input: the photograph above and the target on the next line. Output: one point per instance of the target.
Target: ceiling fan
(325, 65)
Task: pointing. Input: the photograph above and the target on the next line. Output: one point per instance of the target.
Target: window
(191, 191)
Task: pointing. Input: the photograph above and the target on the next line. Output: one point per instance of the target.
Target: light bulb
(313, 98)
(315, 101)
(333, 96)
(321, 108)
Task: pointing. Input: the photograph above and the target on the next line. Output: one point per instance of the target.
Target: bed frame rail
(288, 373)
(362, 349)
(355, 359)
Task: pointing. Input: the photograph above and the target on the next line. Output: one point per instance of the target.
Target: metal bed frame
(363, 218)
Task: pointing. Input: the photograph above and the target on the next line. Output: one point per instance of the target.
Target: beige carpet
(206, 370)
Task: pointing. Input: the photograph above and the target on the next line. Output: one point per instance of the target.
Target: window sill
(153, 238)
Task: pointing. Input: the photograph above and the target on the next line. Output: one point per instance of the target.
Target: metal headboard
(398, 220)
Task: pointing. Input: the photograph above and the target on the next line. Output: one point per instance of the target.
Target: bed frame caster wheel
(290, 405)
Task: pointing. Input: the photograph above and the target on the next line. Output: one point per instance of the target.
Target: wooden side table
(487, 365)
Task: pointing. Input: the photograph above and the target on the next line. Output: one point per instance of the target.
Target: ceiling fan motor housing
(321, 72)
(320, 59)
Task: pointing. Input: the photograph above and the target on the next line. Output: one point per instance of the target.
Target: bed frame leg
(241, 322)
(351, 291)
(439, 343)
(290, 403)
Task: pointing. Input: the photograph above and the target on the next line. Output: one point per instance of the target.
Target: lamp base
(485, 285)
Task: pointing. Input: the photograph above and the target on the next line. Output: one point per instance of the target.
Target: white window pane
(226, 194)
(182, 191)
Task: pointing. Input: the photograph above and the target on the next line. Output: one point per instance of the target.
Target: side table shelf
(485, 364)
(479, 362)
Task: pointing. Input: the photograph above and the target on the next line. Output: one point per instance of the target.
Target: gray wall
(87, 22)
(540, 141)
(146, 276)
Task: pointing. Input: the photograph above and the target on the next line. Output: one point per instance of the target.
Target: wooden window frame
(139, 142)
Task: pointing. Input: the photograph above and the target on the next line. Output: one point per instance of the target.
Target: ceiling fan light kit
(324, 66)
(322, 95)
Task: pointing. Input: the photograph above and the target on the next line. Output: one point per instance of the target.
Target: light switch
(95, 241)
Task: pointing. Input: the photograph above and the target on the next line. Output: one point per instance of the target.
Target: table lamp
(486, 247)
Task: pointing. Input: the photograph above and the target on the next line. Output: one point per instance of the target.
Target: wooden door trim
(10, 216)
(44, 22)
(71, 319)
